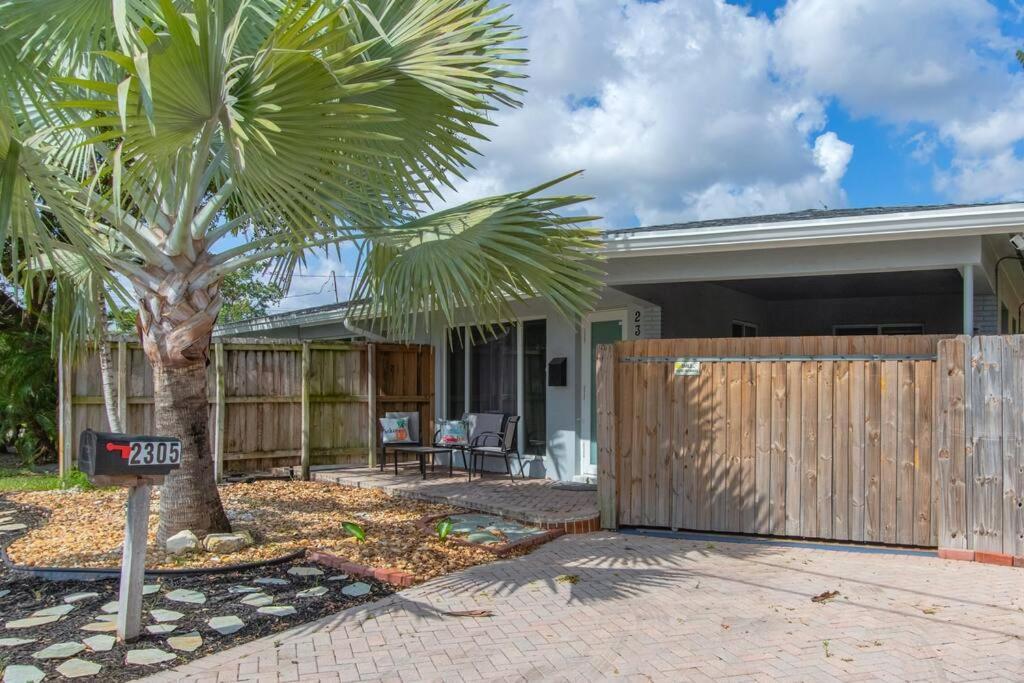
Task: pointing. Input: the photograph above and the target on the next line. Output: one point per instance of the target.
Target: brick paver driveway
(651, 608)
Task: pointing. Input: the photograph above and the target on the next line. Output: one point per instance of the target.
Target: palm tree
(203, 136)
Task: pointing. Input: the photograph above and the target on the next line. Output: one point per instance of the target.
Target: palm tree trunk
(106, 371)
(176, 328)
(188, 498)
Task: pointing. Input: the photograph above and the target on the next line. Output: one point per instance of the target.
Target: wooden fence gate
(820, 437)
(273, 403)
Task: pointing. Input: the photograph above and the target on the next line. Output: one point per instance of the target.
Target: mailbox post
(138, 463)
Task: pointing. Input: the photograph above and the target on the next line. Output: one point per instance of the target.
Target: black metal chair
(505, 447)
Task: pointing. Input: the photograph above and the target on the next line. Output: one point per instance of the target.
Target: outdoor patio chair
(504, 447)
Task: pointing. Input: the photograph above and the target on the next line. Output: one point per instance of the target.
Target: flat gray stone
(78, 668)
(13, 527)
(272, 581)
(100, 627)
(20, 673)
(4, 593)
(78, 597)
(185, 595)
(356, 590)
(100, 643)
(483, 538)
(106, 617)
(29, 622)
(314, 592)
(149, 655)
(59, 651)
(12, 642)
(277, 610)
(337, 577)
(190, 642)
(150, 588)
(226, 625)
(234, 590)
(162, 615)
(160, 629)
(109, 607)
(257, 600)
(57, 611)
(305, 571)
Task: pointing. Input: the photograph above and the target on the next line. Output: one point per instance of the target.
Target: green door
(601, 332)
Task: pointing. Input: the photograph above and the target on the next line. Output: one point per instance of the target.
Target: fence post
(606, 446)
(65, 435)
(219, 414)
(122, 384)
(305, 411)
(371, 402)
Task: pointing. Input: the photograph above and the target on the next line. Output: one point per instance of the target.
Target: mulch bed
(86, 529)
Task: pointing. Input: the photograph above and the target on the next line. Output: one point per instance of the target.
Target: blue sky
(687, 109)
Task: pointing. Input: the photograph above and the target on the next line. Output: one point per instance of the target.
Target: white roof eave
(951, 222)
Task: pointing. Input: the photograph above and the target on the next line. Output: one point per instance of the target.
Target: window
(888, 328)
(493, 362)
(743, 329)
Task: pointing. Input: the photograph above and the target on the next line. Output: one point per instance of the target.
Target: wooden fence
(273, 403)
(979, 444)
(821, 437)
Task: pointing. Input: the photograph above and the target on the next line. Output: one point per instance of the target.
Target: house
(896, 270)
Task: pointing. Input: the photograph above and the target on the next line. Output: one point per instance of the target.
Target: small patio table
(421, 452)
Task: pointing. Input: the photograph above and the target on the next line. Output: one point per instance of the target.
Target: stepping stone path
(162, 615)
(149, 655)
(58, 611)
(78, 668)
(101, 626)
(160, 629)
(190, 642)
(277, 610)
(29, 622)
(106, 617)
(234, 590)
(11, 642)
(337, 577)
(185, 595)
(150, 588)
(356, 590)
(314, 592)
(78, 597)
(4, 593)
(13, 527)
(227, 625)
(305, 571)
(100, 643)
(110, 607)
(59, 651)
(257, 599)
(19, 673)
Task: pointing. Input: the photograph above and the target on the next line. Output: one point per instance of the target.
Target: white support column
(968, 273)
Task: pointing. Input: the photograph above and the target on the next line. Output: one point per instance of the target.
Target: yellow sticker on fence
(687, 368)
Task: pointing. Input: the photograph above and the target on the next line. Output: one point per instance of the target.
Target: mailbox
(123, 460)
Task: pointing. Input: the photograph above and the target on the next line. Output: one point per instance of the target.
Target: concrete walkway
(538, 501)
(609, 606)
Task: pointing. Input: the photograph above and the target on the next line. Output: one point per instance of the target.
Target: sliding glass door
(504, 371)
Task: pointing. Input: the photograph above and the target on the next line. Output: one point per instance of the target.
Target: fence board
(987, 417)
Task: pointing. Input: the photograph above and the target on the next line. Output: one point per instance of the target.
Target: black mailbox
(558, 375)
(120, 459)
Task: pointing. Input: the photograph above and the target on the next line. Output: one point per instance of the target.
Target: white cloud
(682, 115)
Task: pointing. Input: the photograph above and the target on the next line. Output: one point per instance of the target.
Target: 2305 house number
(154, 453)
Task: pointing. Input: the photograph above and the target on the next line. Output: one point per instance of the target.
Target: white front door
(603, 327)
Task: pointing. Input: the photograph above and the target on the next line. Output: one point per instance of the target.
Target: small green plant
(355, 530)
(568, 578)
(443, 529)
(825, 644)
